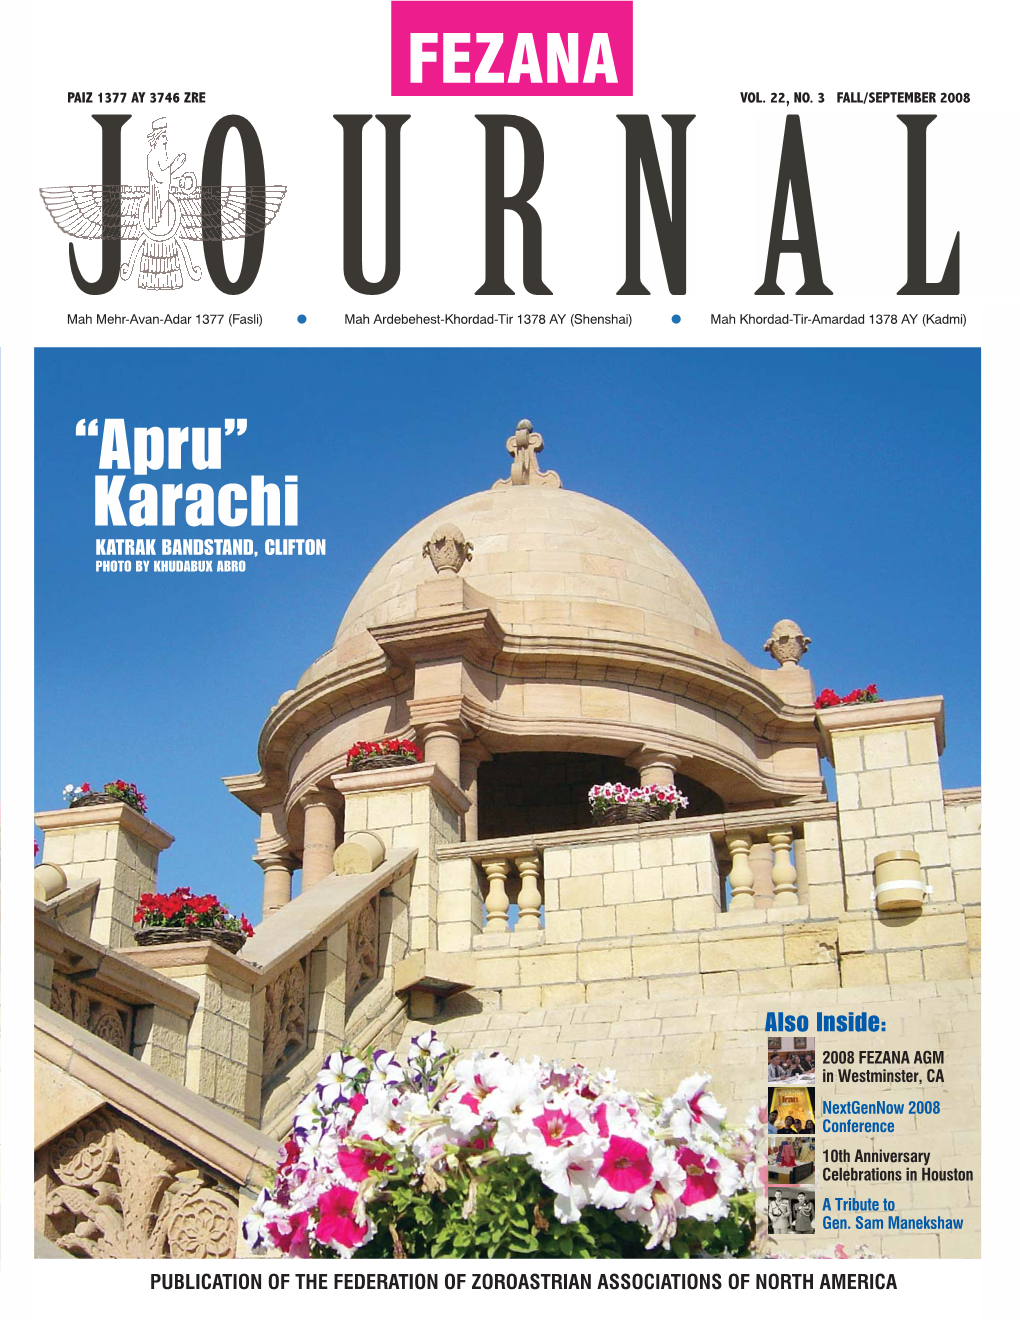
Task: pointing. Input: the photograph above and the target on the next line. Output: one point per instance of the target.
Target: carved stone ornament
(363, 949)
(102, 1016)
(524, 446)
(285, 1034)
(114, 1190)
(448, 548)
(787, 644)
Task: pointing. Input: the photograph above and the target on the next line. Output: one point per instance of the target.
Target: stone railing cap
(106, 813)
(867, 715)
(417, 775)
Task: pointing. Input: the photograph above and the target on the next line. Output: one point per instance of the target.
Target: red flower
(626, 1166)
(336, 1222)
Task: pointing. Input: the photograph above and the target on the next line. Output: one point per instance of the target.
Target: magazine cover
(506, 591)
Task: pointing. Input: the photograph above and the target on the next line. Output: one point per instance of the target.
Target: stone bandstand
(533, 641)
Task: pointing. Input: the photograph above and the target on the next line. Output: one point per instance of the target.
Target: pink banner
(512, 48)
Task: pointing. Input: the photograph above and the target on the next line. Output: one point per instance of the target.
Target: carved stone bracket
(104, 1017)
(362, 949)
(113, 1189)
(524, 446)
(285, 1034)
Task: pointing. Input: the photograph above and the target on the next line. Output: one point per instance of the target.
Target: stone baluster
(496, 901)
(784, 874)
(741, 875)
(529, 900)
(320, 839)
(277, 872)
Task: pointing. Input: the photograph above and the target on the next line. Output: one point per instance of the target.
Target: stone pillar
(442, 748)
(655, 767)
(223, 1059)
(889, 790)
(472, 754)
(110, 843)
(320, 838)
(277, 872)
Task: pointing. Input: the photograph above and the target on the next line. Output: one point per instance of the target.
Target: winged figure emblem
(160, 217)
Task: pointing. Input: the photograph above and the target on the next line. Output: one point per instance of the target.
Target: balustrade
(501, 886)
(784, 872)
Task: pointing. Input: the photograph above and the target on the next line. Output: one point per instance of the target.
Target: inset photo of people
(791, 1058)
(791, 1210)
(791, 1110)
(791, 1159)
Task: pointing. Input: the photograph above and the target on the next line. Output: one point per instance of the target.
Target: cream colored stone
(598, 922)
(863, 969)
(741, 953)
(618, 887)
(581, 891)
(875, 788)
(564, 927)
(817, 976)
(648, 884)
(909, 818)
(952, 962)
(925, 931)
(905, 966)
(604, 964)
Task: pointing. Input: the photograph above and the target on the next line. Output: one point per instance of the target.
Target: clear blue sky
(839, 488)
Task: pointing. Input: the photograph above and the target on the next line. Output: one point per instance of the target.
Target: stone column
(472, 754)
(277, 872)
(741, 876)
(889, 790)
(655, 767)
(442, 747)
(111, 846)
(320, 838)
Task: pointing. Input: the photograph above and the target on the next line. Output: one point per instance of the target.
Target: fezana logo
(511, 48)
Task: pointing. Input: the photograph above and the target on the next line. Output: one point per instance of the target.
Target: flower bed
(184, 915)
(474, 1155)
(388, 752)
(827, 697)
(616, 804)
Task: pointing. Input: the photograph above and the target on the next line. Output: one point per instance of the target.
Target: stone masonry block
(581, 891)
(656, 852)
(926, 931)
(591, 859)
(875, 788)
(618, 887)
(765, 980)
(693, 848)
(665, 959)
(598, 923)
(814, 943)
(563, 927)
(856, 936)
(680, 881)
(904, 966)
(863, 969)
(916, 783)
(848, 792)
(884, 748)
(556, 863)
(908, 818)
(742, 954)
(847, 753)
(950, 963)
(819, 976)
(825, 900)
(695, 913)
(548, 968)
(965, 852)
(857, 824)
(604, 964)
(648, 884)
(921, 745)
(645, 918)
(626, 856)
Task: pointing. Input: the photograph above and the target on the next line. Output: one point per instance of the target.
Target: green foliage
(503, 1210)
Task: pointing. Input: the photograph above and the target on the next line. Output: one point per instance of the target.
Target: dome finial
(786, 643)
(524, 446)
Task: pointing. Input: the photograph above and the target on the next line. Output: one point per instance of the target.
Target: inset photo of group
(791, 1058)
(791, 1110)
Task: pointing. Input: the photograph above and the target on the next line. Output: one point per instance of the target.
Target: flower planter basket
(231, 940)
(384, 761)
(634, 813)
(95, 800)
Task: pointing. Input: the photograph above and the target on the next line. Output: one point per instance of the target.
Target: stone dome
(551, 559)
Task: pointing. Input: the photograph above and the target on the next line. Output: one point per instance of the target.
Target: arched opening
(541, 792)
